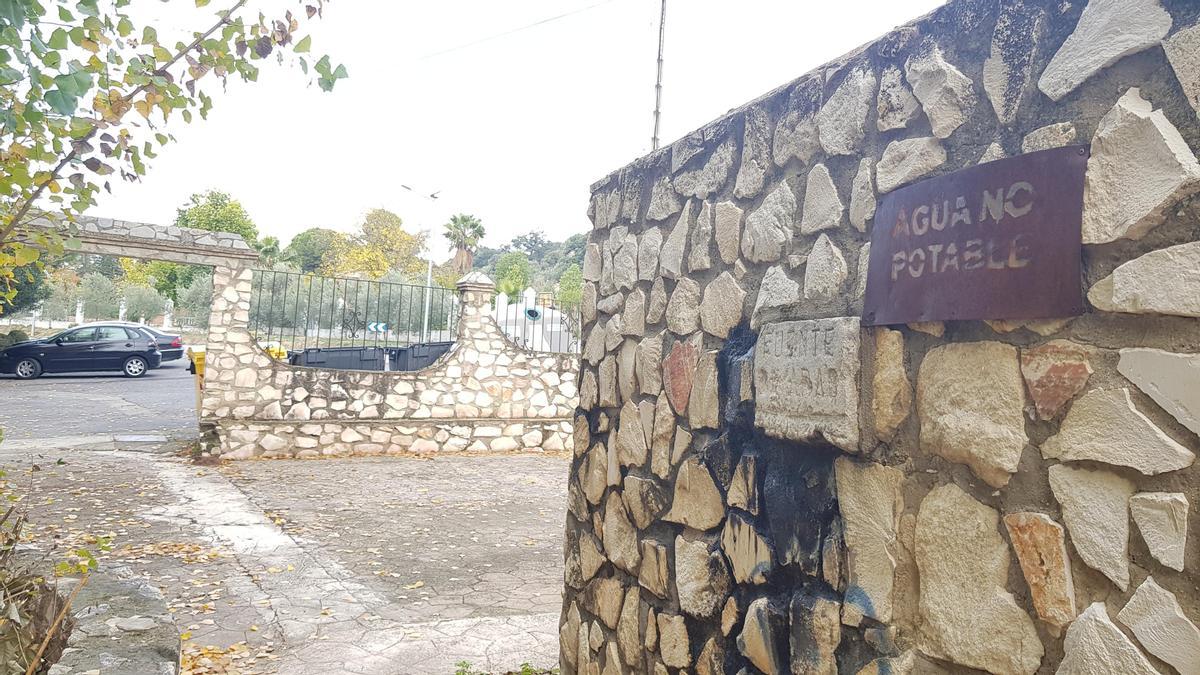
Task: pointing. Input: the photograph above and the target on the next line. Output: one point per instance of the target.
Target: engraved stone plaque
(806, 380)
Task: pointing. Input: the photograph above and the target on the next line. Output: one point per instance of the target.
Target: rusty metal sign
(999, 240)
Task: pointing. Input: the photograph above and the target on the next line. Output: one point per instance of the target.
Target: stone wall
(486, 394)
(759, 484)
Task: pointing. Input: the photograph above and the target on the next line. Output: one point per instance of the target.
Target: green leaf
(58, 39)
(83, 81)
(124, 26)
(68, 85)
(149, 35)
(303, 45)
(88, 8)
(64, 15)
(13, 11)
(36, 41)
(60, 102)
(202, 3)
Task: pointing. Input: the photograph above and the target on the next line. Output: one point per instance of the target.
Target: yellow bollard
(196, 356)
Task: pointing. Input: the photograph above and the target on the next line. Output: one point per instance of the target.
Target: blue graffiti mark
(761, 569)
(857, 597)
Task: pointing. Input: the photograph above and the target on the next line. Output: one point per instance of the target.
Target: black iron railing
(541, 323)
(298, 311)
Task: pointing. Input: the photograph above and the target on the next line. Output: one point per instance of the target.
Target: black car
(85, 348)
(170, 345)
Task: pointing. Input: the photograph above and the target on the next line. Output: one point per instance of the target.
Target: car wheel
(135, 366)
(27, 369)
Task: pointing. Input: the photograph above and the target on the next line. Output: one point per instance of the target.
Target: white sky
(512, 130)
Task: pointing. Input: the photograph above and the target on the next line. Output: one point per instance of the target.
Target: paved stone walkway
(352, 566)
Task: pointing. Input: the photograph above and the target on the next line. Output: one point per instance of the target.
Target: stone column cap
(475, 281)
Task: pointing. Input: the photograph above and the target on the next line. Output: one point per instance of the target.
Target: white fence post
(79, 310)
(501, 307)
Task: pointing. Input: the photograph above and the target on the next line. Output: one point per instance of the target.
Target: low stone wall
(485, 394)
(761, 485)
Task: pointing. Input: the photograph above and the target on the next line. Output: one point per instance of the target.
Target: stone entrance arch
(228, 254)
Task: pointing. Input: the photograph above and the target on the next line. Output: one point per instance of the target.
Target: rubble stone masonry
(485, 395)
(762, 485)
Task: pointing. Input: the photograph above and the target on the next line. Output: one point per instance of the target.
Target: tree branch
(15, 220)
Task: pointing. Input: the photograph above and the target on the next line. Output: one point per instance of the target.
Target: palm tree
(463, 232)
(268, 250)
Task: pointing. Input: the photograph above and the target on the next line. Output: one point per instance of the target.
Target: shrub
(12, 337)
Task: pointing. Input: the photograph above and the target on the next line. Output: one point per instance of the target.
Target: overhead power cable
(535, 24)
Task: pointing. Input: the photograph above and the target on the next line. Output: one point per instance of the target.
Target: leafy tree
(64, 292)
(195, 299)
(216, 211)
(101, 296)
(485, 257)
(86, 93)
(384, 230)
(84, 263)
(143, 302)
(445, 275)
(513, 273)
(212, 211)
(268, 251)
(533, 244)
(347, 256)
(380, 246)
(31, 288)
(307, 250)
(570, 287)
(464, 233)
(164, 277)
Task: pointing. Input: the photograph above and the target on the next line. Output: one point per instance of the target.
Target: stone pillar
(121, 310)
(79, 311)
(475, 291)
(234, 366)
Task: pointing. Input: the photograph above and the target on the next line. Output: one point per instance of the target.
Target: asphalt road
(162, 401)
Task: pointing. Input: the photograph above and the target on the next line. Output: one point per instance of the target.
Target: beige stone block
(970, 398)
(1094, 645)
(1158, 622)
(870, 502)
(892, 392)
(1095, 506)
(1103, 426)
(963, 564)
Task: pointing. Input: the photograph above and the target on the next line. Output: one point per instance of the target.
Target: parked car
(98, 346)
(170, 345)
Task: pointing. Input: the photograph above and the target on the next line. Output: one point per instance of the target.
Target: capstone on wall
(187, 245)
(760, 484)
(486, 394)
